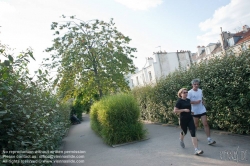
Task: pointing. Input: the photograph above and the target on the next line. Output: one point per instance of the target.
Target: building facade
(236, 42)
(229, 43)
(164, 63)
(160, 66)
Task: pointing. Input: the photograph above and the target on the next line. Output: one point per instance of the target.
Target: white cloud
(140, 4)
(6, 8)
(230, 17)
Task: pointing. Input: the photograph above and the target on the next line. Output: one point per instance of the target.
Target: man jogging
(199, 111)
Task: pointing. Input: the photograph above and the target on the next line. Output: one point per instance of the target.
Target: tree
(94, 54)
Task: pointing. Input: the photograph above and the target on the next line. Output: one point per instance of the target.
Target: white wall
(165, 63)
(157, 66)
(185, 60)
(143, 76)
(168, 62)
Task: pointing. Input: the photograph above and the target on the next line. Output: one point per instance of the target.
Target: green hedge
(31, 117)
(115, 119)
(226, 88)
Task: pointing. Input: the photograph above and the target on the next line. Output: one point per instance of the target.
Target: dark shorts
(199, 115)
(187, 123)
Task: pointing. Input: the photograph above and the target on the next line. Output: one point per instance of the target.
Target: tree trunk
(97, 81)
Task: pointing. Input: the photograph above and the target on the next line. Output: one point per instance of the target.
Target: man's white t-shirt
(194, 96)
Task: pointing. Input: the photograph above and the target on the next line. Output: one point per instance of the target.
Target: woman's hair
(180, 91)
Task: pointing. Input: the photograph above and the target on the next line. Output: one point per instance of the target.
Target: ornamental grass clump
(116, 119)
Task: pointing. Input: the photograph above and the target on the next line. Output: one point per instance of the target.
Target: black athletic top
(184, 104)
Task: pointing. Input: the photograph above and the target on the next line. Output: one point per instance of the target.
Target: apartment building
(229, 43)
(159, 66)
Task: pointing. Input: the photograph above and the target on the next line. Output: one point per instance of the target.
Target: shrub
(31, 117)
(115, 119)
(77, 109)
(95, 123)
(226, 88)
(225, 84)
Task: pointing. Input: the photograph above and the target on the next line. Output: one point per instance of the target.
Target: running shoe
(182, 144)
(198, 152)
(211, 142)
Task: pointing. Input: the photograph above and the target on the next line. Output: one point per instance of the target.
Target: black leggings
(187, 123)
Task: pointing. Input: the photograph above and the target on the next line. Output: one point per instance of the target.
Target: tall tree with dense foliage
(93, 54)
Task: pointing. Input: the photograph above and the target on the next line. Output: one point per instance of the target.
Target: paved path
(161, 149)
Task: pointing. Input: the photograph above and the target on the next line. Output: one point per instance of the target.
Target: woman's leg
(195, 142)
(192, 131)
(181, 136)
(183, 124)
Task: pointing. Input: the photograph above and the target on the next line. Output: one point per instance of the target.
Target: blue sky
(171, 24)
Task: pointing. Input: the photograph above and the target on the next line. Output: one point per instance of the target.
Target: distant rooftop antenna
(241, 24)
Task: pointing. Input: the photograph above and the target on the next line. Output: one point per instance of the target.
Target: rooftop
(245, 36)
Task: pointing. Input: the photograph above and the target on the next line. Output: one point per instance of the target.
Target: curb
(61, 147)
(159, 123)
(220, 132)
(228, 133)
(171, 125)
(117, 145)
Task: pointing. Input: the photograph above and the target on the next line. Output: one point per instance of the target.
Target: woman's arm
(177, 110)
(195, 102)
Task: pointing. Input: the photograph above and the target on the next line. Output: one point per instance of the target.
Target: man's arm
(189, 96)
(195, 102)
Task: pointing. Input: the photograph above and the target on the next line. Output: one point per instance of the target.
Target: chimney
(223, 38)
(150, 61)
(200, 50)
(245, 28)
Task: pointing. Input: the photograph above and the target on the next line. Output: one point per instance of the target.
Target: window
(137, 80)
(150, 76)
(132, 82)
(143, 78)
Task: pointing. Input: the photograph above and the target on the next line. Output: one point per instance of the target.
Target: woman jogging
(183, 107)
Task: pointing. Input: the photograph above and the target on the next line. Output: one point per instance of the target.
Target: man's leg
(206, 127)
(196, 122)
